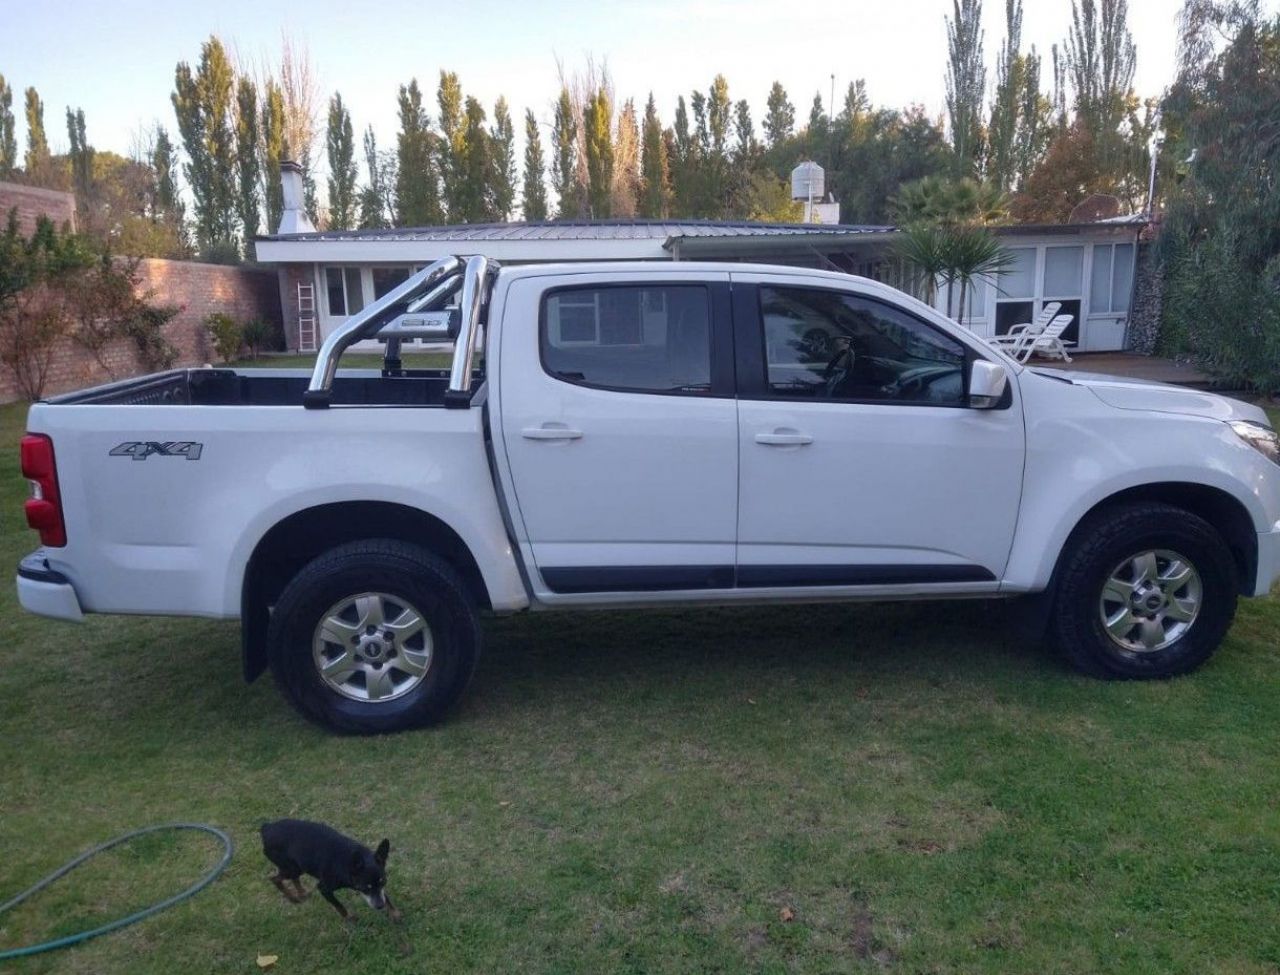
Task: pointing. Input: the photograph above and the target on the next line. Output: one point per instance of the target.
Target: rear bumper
(1268, 561)
(45, 591)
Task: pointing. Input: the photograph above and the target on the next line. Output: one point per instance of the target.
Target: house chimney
(293, 218)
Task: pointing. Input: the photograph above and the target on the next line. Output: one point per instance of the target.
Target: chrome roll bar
(413, 309)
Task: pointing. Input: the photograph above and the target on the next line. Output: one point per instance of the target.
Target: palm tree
(971, 252)
(922, 248)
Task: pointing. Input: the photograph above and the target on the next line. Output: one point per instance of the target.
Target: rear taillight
(44, 507)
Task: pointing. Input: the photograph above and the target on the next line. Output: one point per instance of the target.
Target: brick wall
(33, 202)
(199, 289)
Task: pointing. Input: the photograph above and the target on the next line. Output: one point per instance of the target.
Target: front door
(620, 430)
(861, 463)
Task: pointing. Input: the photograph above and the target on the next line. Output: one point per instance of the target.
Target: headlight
(1262, 439)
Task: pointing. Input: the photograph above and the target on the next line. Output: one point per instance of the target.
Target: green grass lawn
(655, 792)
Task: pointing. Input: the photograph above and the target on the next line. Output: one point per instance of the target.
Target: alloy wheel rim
(1150, 600)
(372, 647)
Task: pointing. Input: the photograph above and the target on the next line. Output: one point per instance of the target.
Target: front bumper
(1268, 561)
(45, 591)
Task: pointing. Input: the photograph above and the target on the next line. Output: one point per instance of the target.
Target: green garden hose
(66, 868)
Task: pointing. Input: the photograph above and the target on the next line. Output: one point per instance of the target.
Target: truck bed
(266, 387)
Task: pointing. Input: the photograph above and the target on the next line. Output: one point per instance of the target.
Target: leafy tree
(274, 149)
(597, 125)
(417, 196)
(502, 143)
(1035, 122)
(655, 176)
(38, 162)
(769, 199)
(341, 152)
(8, 141)
(1220, 244)
(780, 122)
(248, 161)
(564, 159)
(966, 82)
(818, 134)
(202, 101)
(1069, 172)
(533, 202)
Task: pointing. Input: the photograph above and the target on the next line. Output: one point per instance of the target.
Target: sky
(116, 59)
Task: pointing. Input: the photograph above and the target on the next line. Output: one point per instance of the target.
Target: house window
(1112, 278)
(344, 289)
(387, 278)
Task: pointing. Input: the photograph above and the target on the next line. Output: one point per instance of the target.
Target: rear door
(861, 463)
(619, 426)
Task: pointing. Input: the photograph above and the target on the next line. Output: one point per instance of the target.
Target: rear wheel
(1146, 590)
(374, 636)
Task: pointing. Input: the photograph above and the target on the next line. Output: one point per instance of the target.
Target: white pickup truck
(642, 434)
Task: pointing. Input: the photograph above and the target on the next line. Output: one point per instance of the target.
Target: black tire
(1103, 542)
(426, 583)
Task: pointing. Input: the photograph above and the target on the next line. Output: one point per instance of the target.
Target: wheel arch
(303, 535)
(1223, 511)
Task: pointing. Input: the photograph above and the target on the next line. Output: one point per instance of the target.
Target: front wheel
(374, 636)
(1144, 590)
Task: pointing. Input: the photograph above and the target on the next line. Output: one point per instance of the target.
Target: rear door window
(644, 339)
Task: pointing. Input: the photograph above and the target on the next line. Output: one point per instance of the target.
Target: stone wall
(198, 290)
(1148, 301)
(32, 202)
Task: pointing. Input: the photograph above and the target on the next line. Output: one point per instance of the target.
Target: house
(326, 276)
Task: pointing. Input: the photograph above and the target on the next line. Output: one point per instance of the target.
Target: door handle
(784, 438)
(548, 432)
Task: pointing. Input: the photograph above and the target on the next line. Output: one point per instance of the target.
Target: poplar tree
(1007, 104)
(780, 121)
(683, 162)
(1101, 59)
(8, 139)
(169, 208)
(596, 121)
(533, 201)
(473, 199)
(248, 161)
(38, 159)
(655, 176)
(966, 80)
(81, 155)
(453, 148)
(626, 162)
(275, 147)
(417, 189)
(202, 101)
(564, 159)
(340, 150)
(502, 143)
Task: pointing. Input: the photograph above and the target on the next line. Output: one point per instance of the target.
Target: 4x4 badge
(141, 450)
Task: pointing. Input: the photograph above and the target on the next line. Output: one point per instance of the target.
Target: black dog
(296, 847)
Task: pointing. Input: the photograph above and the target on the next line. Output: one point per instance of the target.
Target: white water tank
(807, 182)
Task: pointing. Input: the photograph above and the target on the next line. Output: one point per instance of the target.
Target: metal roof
(588, 230)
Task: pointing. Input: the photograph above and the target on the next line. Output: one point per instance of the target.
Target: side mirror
(987, 383)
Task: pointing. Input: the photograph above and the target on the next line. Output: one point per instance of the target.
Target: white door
(1110, 287)
(620, 430)
(861, 463)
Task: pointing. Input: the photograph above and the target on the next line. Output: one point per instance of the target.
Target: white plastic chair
(1049, 342)
(1017, 342)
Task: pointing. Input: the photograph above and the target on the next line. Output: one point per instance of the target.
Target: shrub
(259, 335)
(227, 335)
